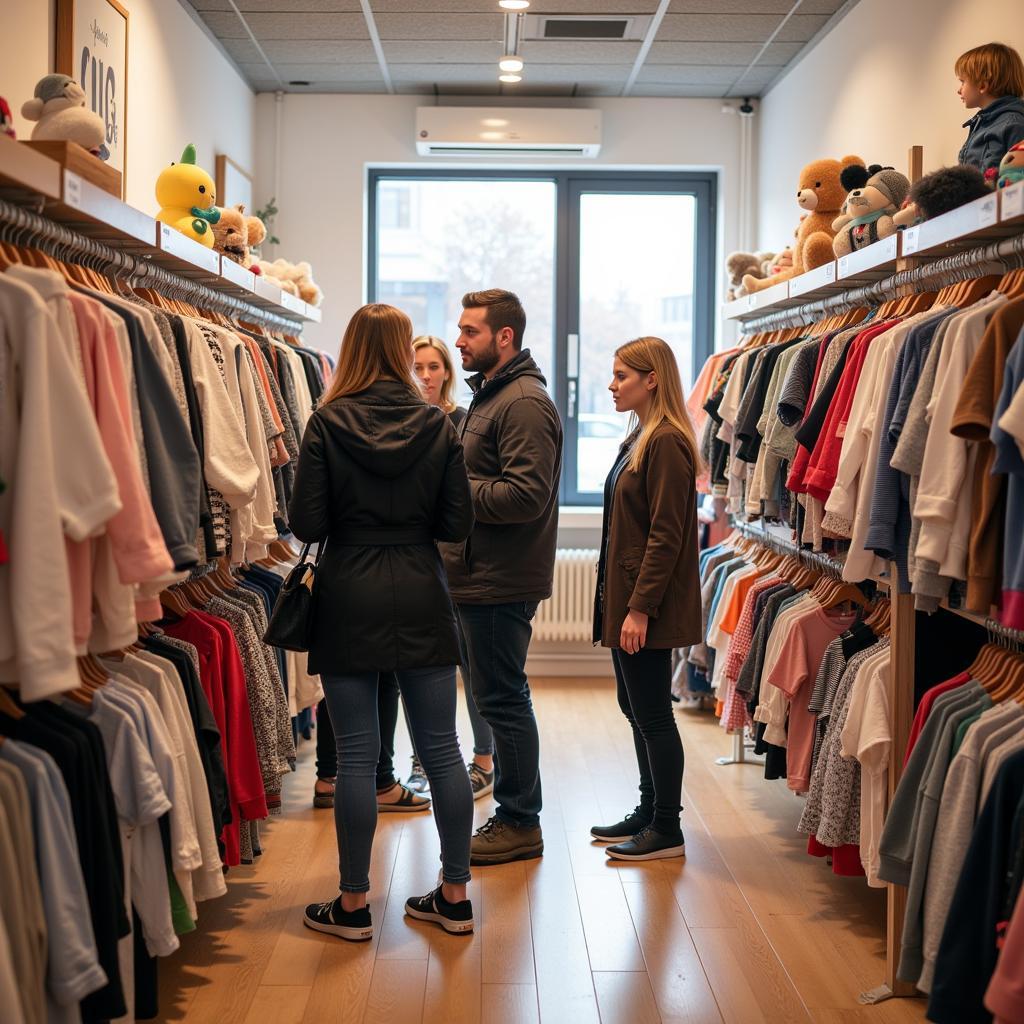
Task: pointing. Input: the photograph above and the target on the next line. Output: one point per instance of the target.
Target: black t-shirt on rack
(71, 745)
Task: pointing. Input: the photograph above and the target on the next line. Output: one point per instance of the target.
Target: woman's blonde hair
(448, 387)
(652, 355)
(997, 65)
(377, 346)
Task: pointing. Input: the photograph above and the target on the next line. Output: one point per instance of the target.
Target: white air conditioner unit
(507, 131)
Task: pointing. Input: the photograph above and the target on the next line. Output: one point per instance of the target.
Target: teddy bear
(820, 192)
(235, 234)
(875, 195)
(1011, 167)
(59, 108)
(739, 263)
(294, 278)
(187, 198)
(783, 261)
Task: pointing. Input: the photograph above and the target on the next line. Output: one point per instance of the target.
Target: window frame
(570, 184)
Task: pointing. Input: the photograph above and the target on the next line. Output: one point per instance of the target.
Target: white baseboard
(562, 660)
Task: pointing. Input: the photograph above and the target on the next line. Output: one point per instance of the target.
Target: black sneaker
(621, 830)
(481, 781)
(456, 918)
(649, 845)
(354, 925)
(417, 781)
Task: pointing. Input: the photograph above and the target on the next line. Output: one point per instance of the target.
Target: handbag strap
(304, 553)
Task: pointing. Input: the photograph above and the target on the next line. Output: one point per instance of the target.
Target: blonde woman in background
(432, 363)
(648, 592)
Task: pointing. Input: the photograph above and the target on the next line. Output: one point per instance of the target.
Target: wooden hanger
(843, 593)
(8, 707)
(174, 602)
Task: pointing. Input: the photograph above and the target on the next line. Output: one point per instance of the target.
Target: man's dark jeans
(495, 640)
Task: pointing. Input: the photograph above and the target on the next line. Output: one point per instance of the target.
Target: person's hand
(634, 632)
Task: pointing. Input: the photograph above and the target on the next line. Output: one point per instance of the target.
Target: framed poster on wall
(234, 185)
(92, 47)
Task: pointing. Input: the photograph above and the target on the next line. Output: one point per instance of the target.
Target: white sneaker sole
(484, 791)
(666, 854)
(339, 930)
(609, 839)
(452, 927)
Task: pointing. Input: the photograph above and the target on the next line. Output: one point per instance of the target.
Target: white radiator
(568, 615)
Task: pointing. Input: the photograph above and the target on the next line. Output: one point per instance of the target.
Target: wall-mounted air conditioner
(507, 131)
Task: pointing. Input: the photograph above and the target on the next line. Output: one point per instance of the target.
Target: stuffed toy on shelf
(235, 235)
(187, 198)
(58, 107)
(1011, 167)
(875, 196)
(941, 191)
(820, 192)
(295, 278)
(6, 120)
(737, 264)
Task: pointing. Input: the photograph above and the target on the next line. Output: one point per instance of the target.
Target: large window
(597, 259)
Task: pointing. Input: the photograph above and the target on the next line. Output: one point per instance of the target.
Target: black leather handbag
(291, 621)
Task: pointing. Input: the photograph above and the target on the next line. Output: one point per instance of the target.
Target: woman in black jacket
(380, 479)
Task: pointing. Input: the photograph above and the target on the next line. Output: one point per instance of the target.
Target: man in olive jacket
(512, 437)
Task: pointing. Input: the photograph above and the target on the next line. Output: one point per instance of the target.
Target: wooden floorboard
(747, 929)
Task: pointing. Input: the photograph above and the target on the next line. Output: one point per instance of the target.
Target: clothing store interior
(511, 511)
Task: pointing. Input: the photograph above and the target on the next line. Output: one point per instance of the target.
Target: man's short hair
(503, 310)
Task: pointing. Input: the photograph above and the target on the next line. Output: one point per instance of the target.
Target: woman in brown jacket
(648, 593)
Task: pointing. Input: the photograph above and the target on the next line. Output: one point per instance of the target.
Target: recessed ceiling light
(510, 62)
(514, 5)
(494, 122)
(510, 78)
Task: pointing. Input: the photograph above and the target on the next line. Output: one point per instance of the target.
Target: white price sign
(72, 189)
(911, 240)
(1013, 200)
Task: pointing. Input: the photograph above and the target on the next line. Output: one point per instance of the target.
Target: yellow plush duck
(187, 195)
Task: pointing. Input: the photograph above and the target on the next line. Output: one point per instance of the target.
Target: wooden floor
(747, 929)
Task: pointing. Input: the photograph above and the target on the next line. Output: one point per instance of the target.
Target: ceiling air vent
(585, 26)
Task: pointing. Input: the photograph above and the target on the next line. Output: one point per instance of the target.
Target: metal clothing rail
(27, 228)
(815, 559)
(994, 258)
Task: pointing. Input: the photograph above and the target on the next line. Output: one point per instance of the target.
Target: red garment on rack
(3, 549)
(823, 467)
(845, 859)
(794, 481)
(223, 682)
(924, 709)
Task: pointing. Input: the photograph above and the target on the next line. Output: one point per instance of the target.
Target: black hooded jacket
(381, 477)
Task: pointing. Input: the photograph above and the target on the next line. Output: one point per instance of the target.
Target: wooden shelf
(91, 211)
(871, 263)
(967, 226)
(23, 172)
(30, 179)
(815, 284)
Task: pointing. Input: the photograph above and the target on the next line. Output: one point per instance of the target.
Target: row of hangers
(30, 240)
(825, 583)
(999, 665)
(966, 289)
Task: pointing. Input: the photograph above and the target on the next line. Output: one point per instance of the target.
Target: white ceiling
(715, 48)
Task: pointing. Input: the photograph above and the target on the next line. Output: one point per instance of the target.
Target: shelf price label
(911, 240)
(988, 211)
(72, 190)
(1013, 200)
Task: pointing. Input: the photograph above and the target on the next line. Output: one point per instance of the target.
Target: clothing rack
(24, 227)
(996, 257)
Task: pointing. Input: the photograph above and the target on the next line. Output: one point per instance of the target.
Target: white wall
(180, 87)
(879, 83)
(328, 141)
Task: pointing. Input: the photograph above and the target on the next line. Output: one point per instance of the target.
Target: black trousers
(387, 716)
(645, 696)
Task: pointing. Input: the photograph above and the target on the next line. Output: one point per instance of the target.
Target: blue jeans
(495, 639)
(429, 695)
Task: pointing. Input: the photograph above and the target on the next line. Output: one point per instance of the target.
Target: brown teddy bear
(876, 195)
(820, 192)
(737, 264)
(235, 234)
